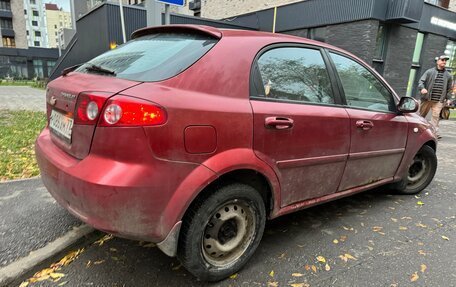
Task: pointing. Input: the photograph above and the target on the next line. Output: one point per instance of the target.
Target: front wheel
(421, 172)
(221, 232)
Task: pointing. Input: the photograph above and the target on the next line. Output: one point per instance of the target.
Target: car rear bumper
(131, 200)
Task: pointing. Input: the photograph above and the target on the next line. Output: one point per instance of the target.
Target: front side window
(295, 74)
(153, 57)
(362, 89)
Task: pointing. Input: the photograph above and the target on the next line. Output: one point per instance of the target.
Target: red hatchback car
(192, 136)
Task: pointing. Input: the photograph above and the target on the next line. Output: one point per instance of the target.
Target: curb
(20, 179)
(26, 264)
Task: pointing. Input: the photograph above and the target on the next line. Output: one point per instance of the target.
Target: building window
(5, 5)
(37, 34)
(411, 85)
(6, 23)
(50, 65)
(25, 12)
(450, 51)
(36, 43)
(55, 26)
(380, 42)
(28, 33)
(33, 2)
(34, 23)
(38, 68)
(9, 42)
(35, 13)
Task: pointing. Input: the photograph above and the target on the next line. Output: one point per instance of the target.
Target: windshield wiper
(68, 70)
(96, 68)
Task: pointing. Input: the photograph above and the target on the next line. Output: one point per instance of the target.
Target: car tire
(420, 174)
(221, 231)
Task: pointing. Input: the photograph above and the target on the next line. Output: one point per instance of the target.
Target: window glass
(153, 57)
(380, 42)
(295, 74)
(360, 86)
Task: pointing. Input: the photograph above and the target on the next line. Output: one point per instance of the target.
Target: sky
(65, 4)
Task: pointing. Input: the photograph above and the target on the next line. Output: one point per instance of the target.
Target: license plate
(61, 125)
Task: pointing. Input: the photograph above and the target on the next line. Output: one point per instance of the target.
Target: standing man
(435, 88)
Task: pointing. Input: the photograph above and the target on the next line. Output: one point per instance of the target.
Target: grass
(34, 84)
(18, 131)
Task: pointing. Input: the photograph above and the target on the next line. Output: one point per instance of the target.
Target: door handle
(278, 123)
(364, 124)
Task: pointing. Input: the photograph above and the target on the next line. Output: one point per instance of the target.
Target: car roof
(225, 33)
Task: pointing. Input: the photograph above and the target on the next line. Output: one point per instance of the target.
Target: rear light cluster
(120, 111)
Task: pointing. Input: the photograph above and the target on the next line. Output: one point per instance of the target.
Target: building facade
(57, 21)
(35, 21)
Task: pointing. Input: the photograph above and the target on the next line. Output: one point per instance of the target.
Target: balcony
(7, 32)
(6, 14)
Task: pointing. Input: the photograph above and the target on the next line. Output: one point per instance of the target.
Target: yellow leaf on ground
(321, 259)
(343, 238)
(24, 284)
(377, 228)
(282, 256)
(56, 275)
(402, 228)
(423, 268)
(297, 274)
(307, 267)
(421, 252)
(421, 225)
(63, 283)
(314, 268)
(350, 257)
(102, 240)
(394, 219)
(446, 238)
(335, 241)
(273, 284)
(414, 277)
(345, 259)
(299, 285)
(327, 267)
(271, 273)
(234, 276)
(420, 203)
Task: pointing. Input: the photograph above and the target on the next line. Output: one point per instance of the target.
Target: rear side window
(152, 57)
(295, 74)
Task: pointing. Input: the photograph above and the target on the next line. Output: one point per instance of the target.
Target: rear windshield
(154, 57)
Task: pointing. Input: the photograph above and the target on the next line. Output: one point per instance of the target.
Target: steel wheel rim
(417, 171)
(228, 233)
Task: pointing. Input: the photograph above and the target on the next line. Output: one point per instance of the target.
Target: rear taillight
(88, 108)
(128, 111)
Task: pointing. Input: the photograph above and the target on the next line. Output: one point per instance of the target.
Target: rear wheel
(221, 232)
(421, 172)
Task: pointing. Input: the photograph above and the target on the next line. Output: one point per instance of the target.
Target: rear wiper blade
(70, 69)
(96, 68)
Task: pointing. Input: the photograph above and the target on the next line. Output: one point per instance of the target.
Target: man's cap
(442, 57)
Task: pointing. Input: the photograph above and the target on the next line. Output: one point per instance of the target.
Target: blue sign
(173, 2)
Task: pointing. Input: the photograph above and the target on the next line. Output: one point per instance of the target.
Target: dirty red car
(192, 137)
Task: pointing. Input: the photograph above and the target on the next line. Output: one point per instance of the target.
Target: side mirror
(408, 105)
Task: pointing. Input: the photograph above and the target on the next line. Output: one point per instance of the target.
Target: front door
(378, 132)
(299, 127)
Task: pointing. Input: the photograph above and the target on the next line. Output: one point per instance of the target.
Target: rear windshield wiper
(96, 68)
(68, 70)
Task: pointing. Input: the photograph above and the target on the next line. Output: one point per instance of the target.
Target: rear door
(378, 131)
(299, 127)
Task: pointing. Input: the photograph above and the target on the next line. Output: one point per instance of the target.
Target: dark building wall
(398, 59)
(359, 38)
(433, 46)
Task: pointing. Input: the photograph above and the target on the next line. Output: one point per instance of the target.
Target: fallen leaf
(421, 252)
(271, 273)
(307, 267)
(314, 268)
(89, 263)
(234, 276)
(179, 266)
(423, 268)
(446, 238)
(327, 267)
(299, 285)
(273, 284)
(98, 262)
(370, 248)
(297, 274)
(282, 256)
(301, 246)
(377, 228)
(420, 203)
(362, 224)
(321, 259)
(149, 245)
(102, 240)
(394, 219)
(350, 257)
(414, 277)
(381, 233)
(112, 249)
(56, 275)
(402, 228)
(343, 238)
(24, 284)
(335, 241)
(421, 225)
(347, 228)
(63, 283)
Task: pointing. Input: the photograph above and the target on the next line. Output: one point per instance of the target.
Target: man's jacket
(427, 82)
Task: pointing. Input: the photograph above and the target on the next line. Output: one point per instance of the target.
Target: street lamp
(122, 21)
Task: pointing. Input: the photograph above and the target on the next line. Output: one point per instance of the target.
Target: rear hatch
(76, 101)
(62, 97)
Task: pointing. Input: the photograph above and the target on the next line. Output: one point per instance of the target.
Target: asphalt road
(29, 219)
(371, 239)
